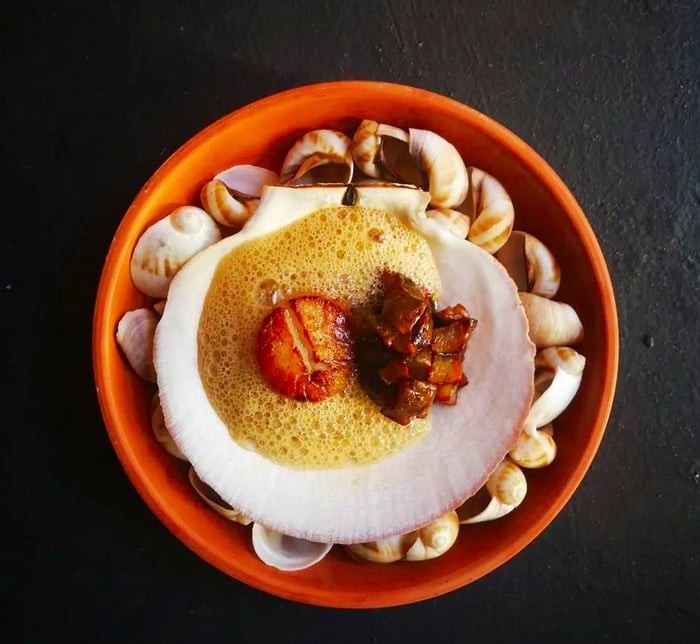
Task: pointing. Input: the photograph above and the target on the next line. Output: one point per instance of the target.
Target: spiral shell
(551, 323)
(167, 245)
(491, 211)
(385, 550)
(535, 448)
(233, 195)
(224, 205)
(562, 369)
(439, 159)
(319, 156)
(368, 147)
(456, 222)
(248, 180)
(531, 265)
(429, 542)
(135, 333)
(506, 488)
(435, 539)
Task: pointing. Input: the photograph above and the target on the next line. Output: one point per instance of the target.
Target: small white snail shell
(306, 160)
(563, 368)
(233, 195)
(224, 205)
(135, 333)
(167, 245)
(284, 552)
(530, 264)
(160, 431)
(490, 209)
(214, 501)
(248, 180)
(456, 222)
(439, 159)
(429, 542)
(384, 550)
(367, 144)
(506, 488)
(534, 448)
(435, 539)
(551, 322)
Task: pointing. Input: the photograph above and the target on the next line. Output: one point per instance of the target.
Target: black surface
(96, 95)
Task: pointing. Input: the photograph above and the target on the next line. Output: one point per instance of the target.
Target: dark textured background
(95, 96)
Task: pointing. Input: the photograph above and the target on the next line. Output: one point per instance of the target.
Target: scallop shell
(214, 501)
(167, 245)
(160, 431)
(439, 159)
(135, 333)
(535, 448)
(191, 418)
(531, 264)
(286, 553)
(551, 323)
(319, 156)
(506, 488)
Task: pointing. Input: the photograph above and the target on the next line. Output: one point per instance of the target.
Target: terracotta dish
(260, 134)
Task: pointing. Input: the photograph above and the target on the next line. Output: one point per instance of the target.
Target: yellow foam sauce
(338, 252)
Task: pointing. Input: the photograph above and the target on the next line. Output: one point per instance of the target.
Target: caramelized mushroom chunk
(410, 355)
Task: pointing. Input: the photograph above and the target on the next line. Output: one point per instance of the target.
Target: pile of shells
(468, 202)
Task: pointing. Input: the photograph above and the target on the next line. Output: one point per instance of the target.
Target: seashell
(161, 432)
(535, 448)
(435, 539)
(248, 180)
(562, 368)
(233, 195)
(490, 209)
(214, 501)
(428, 542)
(367, 147)
(551, 323)
(167, 245)
(224, 205)
(284, 552)
(159, 307)
(506, 488)
(317, 157)
(385, 550)
(543, 378)
(135, 333)
(448, 182)
(531, 264)
(456, 222)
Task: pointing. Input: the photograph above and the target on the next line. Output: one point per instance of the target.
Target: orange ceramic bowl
(260, 134)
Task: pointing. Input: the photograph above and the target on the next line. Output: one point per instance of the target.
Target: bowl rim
(345, 597)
